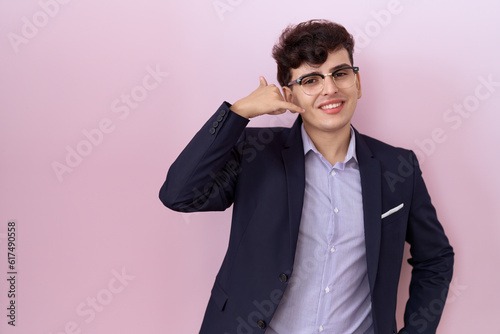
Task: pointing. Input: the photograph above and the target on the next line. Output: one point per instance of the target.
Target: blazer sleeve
(203, 177)
(432, 261)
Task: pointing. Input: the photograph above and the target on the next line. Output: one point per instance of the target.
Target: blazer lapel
(369, 169)
(293, 160)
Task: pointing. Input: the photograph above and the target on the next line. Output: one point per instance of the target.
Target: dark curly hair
(309, 42)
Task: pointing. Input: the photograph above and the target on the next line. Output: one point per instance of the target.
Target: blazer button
(212, 131)
(261, 324)
(215, 124)
(222, 112)
(284, 278)
(220, 118)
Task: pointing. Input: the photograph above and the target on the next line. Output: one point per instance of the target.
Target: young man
(321, 212)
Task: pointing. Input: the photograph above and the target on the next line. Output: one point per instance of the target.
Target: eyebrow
(333, 69)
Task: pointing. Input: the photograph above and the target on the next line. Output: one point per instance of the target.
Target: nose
(329, 86)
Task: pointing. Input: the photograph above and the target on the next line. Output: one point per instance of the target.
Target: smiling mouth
(331, 106)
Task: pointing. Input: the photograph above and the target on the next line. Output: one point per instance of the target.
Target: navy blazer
(261, 172)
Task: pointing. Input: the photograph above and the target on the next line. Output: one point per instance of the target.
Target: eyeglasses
(313, 83)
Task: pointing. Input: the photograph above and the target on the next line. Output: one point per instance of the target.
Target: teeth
(331, 106)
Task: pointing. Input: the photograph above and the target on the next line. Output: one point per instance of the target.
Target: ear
(288, 94)
(358, 84)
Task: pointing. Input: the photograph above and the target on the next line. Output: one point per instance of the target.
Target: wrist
(236, 108)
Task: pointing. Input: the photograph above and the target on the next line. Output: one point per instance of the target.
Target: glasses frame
(355, 69)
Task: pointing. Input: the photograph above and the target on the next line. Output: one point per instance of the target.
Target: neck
(332, 145)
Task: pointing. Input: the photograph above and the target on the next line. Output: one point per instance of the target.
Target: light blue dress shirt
(328, 291)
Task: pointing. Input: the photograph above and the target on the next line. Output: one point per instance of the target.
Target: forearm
(202, 177)
(428, 291)
(432, 262)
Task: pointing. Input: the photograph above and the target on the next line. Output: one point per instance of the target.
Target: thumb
(263, 82)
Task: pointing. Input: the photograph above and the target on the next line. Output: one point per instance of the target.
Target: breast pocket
(393, 215)
(394, 231)
(390, 220)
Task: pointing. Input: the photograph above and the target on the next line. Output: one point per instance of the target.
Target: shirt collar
(309, 145)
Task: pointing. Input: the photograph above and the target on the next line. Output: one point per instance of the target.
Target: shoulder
(378, 148)
(272, 133)
(275, 137)
(391, 158)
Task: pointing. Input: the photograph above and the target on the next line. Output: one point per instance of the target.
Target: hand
(266, 99)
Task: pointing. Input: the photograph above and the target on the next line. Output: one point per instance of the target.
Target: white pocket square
(391, 211)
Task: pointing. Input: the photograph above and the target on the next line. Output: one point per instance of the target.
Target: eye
(341, 74)
(312, 80)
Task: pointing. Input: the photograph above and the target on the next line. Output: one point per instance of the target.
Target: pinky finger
(278, 112)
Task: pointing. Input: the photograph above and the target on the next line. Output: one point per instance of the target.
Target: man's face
(331, 110)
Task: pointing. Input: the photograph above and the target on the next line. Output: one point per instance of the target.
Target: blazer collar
(371, 187)
(294, 162)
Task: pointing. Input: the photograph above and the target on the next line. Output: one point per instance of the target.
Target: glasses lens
(312, 84)
(344, 78)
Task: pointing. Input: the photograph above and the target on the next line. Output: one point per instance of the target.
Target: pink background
(66, 68)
